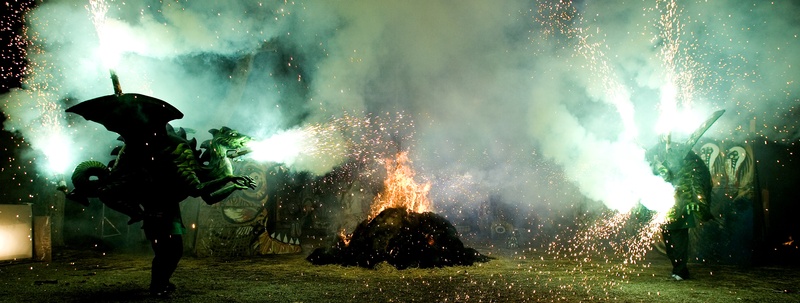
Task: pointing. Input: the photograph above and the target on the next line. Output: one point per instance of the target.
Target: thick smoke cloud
(527, 100)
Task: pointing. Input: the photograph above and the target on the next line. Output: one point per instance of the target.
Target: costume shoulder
(127, 114)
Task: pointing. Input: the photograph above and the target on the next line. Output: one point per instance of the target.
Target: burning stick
(115, 83)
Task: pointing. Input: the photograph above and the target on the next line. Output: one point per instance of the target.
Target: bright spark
(679, 91)
(285, 147)
(109, 49)
(58, 157)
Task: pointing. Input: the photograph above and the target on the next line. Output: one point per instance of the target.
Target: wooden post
(42, 244)
(56, 213)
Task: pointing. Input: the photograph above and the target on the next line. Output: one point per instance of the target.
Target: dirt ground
(92, 275)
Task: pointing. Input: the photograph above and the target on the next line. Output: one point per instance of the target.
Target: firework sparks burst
(610, 171)
(619, 239)
(679, 91)
(109, 41)
(590, 242)
(635, 248)
(365, 139)
(286, 147)
(45, 126)
(615, 244)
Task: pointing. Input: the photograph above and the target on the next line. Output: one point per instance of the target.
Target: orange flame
(345, 237)
(400, 189)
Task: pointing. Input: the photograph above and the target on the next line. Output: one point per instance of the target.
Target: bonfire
(400, 230)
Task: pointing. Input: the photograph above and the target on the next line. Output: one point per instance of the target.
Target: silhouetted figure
(156, 169)
(692, 182)
(164, 228)
(689, 175)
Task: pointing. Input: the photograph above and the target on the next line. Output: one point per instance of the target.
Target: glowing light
(668, 107)
(676, 114)
(109, 55)
(658, 195)
(400, 189)
(55, 147)
(345, 237)
(15, 232)
(612, 170)
(587, 243)
(283, 147)
(320, 147)
(677, 121)
(315, 147)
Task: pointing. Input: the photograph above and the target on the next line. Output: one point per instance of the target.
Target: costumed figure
(689, 175)
(155, 169)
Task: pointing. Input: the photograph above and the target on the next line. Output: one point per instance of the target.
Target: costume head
(666, 157)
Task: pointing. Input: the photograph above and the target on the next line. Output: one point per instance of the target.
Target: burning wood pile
(400, 231)
(403, 239)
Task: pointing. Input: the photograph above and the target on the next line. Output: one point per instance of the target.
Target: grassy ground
(93, 276)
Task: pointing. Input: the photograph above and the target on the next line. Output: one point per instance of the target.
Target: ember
(403, 239)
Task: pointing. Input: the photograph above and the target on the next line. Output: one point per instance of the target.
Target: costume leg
(168, 250)
(677, 244)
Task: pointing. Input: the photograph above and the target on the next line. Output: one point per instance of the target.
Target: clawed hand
(692, 207)
(243, 182)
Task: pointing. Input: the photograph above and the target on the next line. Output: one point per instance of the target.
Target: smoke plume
(528, 100)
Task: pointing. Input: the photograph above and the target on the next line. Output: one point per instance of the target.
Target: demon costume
(692, 183)
(164, 229)
(155, 169)
(691, 178)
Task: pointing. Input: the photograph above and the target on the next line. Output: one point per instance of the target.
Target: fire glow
(400, 189)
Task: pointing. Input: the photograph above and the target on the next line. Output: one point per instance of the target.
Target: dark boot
(677, 245)
(168, 251)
